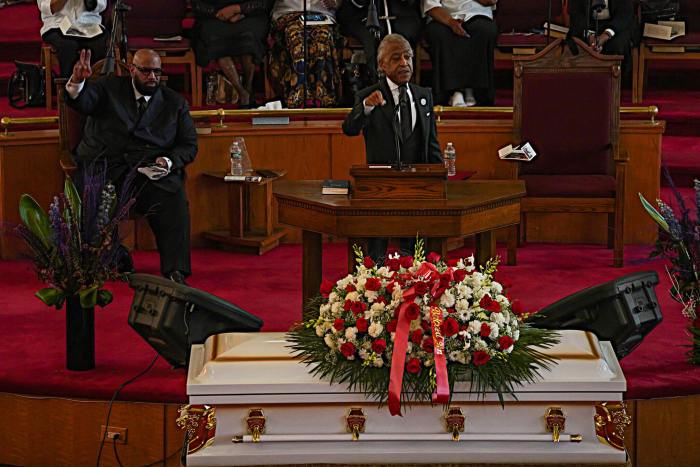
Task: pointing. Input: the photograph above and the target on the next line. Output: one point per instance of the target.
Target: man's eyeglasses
(147, 71)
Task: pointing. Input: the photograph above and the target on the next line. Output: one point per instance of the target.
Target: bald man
(134, 122)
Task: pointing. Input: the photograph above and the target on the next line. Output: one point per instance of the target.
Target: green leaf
(651, 210)
(73, 198)
(51, 296)
(104, 297)
(35, 219)
(88, 297)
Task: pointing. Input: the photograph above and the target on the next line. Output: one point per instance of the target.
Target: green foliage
(36, 220)
(653, 213)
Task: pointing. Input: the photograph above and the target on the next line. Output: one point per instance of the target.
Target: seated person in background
(403, 17)
(84, 15)
(287, 53)
(134, 122)
(462, 36)
(373, 115)
(616, 25)
(232, 29)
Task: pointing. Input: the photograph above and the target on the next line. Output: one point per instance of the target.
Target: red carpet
(32, 355)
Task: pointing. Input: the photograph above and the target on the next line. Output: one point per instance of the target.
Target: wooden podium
(467, 208)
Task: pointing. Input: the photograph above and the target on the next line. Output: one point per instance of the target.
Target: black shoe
(178, 277)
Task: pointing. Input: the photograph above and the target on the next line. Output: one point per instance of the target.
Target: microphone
(373, 20)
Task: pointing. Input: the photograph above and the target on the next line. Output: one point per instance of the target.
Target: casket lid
(247, 367)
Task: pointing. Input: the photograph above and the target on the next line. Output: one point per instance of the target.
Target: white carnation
(336, 308)
(378, 362)
(332, 296)
(351, 333)
(457, 356)
(320, 331)
(371, 295)
(496, 288)
(494, 330)
(363, 354)
(447, 299)
(329, 341)
(352, 296)
(474, 327)
(498, 318)
(516, 334)
(375, 329)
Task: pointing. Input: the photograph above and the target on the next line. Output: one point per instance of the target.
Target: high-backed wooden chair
(568, 107)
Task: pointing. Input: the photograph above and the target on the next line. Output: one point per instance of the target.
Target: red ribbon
(427, 272)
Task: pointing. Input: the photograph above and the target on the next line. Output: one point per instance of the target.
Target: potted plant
(75, 249)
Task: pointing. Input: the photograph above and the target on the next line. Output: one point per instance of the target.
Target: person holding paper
(395, 105)
(135, 124)
(71, 26)
(613, 22)
(290, 58)
(462, 38)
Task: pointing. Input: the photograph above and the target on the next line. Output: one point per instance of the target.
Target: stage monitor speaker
(621, 311)
(171, 316)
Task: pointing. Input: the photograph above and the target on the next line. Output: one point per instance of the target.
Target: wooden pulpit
(424, 181)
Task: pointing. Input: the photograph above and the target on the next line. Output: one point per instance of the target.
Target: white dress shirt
(462, 10)
(74, 9)
(394, 88)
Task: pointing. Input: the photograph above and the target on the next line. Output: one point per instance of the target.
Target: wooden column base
(250, 242)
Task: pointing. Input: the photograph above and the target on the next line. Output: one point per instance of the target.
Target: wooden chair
(49, 60)
(516, 19)
(568, 107)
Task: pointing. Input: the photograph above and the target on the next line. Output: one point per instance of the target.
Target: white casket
(251, 402)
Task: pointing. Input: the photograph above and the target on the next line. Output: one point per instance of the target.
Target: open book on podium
(421, 181)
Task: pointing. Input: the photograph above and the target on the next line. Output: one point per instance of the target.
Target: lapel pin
(423, 101)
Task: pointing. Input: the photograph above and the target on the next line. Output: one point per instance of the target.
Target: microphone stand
(549, 21)
(397, 136)
(117, 20)
(372, 25)
(306, 57)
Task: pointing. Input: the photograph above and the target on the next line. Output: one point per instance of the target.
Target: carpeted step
(681, 155)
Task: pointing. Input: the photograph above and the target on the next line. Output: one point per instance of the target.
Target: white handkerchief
(154, 171)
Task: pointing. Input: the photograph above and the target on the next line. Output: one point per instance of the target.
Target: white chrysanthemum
(329, 341)
(324, 309)
(332, 296)
(498, 318)
(352, 296)
(479, 344)
(496, 288)
(378, 306)
(474, 327)
(363, 354)
(336, 308)
(461, 304)
(457, 356)
(371, 295)
(361, 281)
(465, 315)
(375, 329)
(516, 334)
(494, 330)
(351, 333)
(378, 362)
(447, 299)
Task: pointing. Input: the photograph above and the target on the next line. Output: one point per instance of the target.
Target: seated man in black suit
(616, 25)
(376, 108)
(134, 122)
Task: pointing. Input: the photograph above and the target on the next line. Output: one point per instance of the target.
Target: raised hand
(82, 69)
(375, 99)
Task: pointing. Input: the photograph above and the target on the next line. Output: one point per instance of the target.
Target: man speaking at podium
(396, 119)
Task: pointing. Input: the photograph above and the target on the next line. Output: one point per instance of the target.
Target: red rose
(368, 262)
(358, 308)
(417, 336)
(480, 358)
(485, 330)
(406, 261)
(379, 346)
(347, 349)
(428, 345)
(451, 326)
(517, 307)
(459, 275)
(488, 304)
(361, 324)
(326, 287)
(391, 250)
(433, 257)
(373, 284)
(420, 287)
(412, 311)
(350, 288)
(391, 326)
(339, 324)
(445, 279)
(453, 262)
(425, 325)
(504, 342)
(380, 299)
(413, 366)
(393, 264)
(347, 305)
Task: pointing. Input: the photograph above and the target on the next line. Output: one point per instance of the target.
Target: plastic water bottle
(450, 156)
(236, 159)
(211, 89)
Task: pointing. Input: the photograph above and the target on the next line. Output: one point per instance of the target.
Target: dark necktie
(405, 112)
(141, 105)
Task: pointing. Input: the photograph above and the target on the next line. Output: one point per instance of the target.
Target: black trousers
(68, 48)
(620, 44)
(352, 22)
(168, 216)
(376, 247)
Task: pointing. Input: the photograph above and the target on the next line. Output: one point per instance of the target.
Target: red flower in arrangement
(350, 288)
(445, 279)
(517, 307)
(504, 342)
(326, 287)
(393, 264)
(425, 325)
(379, 346)
(485, 330)
(450, 327)
(339, 324)
(391, 250)
(347, 349)
(368, 262)
(433, 257)
(417, 336)
(420, 287)
(358, 308)
(413, 366)
(406, 261)
(412, 311)
(361, 324)
(453, 262)
(480, 358)
(391, 326)
(381, 299)
(347, 305)
(428, 345)
(488, 304)
(373, 284)
(459, 275)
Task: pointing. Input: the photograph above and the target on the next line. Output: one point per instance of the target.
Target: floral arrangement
(74, 245)
(679, 241)
(412, 327)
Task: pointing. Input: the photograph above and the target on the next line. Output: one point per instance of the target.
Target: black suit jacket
(113, 131)
(378, 129)
(621, 16)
